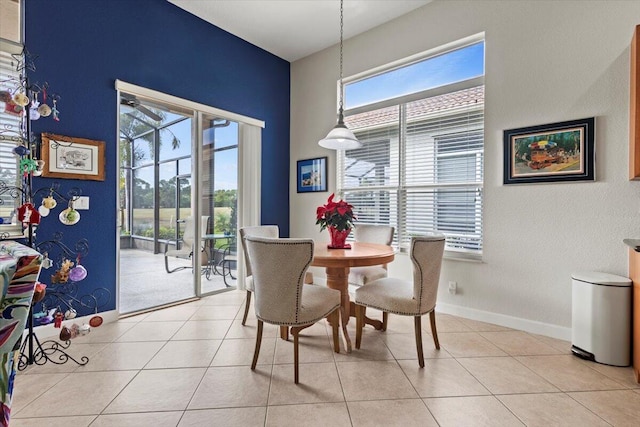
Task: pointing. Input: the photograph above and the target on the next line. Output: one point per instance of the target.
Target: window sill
(455, 256)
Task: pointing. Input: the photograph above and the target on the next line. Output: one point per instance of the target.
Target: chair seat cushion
(317, 303)
(363, 275)
(391, 295)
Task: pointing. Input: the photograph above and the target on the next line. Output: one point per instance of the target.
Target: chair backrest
(189, 230)
(374, 233)
(272, 231)
(426, 255)
(278, 267)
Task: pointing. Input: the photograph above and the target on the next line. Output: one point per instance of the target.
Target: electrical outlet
(453, 288)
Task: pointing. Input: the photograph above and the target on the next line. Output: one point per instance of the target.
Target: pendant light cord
(341, 30)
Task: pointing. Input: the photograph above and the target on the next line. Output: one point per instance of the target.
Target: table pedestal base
(337, 278)
(377, 324)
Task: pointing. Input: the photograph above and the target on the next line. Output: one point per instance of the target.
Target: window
(10, 134)
(420, 168)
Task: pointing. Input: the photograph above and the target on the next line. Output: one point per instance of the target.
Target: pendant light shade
(340, 137)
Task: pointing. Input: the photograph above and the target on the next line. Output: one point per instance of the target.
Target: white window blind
(10, 136)
(420, 168)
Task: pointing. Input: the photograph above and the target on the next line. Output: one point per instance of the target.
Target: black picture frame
(556, 152)
(312, 175)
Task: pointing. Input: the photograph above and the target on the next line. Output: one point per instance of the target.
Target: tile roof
(417, 109)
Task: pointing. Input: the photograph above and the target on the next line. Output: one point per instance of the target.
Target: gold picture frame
(68, 157)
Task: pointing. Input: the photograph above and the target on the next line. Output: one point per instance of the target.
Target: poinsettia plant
(335, 214)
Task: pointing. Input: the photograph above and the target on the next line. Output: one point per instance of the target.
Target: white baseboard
(45, 332)
(533, 326)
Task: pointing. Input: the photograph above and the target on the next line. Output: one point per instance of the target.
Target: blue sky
(450, 67)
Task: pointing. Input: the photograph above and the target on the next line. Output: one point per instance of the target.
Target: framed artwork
(555, 152)
(312, 175)
(72, 158)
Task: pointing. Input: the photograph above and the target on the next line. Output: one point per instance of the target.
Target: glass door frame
(245, 154)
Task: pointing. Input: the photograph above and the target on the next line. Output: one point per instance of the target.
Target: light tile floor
(189, 366)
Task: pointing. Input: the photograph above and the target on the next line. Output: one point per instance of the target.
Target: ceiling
(293, 29)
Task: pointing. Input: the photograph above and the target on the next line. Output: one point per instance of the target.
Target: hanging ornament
(55, 112)
(12, 108)
(21, 150)
(70, 314)
(57, 322)
(21, 99)
(46, 261)
(43, 211)
(27, 214)
(34, 114)
(28, 166)
(44, 110)
(69, 216)
(39, 168)
(62, 274)
(49, 202)
(78, 272)
(39, 292)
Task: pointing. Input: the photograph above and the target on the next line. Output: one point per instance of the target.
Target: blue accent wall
(83, 46)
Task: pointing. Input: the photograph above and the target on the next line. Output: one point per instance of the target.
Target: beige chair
(358, 276)
(271, 231)
(371, 233)
(185, 245)
(406, 298)
(278, 267)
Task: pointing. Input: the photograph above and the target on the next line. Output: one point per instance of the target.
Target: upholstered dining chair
(186, 245)
(271, 231)
(371, 233)
(358, 276)
(406, 298)
(278, 267)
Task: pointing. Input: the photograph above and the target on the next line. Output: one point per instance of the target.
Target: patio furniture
(185, 246)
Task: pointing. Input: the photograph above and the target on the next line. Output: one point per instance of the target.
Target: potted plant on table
(338, 217)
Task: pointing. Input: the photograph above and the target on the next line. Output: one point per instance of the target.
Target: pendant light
(340, 137)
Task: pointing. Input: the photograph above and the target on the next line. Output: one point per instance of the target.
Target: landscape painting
(549, 153)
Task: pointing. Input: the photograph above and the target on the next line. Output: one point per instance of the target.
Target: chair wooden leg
(256, 352)
(360, 312)
(284, 332)
(418, 327)
(295, 332)
(434, 331)
(246, 308)
(385, 319)
(334, 321)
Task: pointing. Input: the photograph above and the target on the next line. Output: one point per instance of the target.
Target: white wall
(545, 62)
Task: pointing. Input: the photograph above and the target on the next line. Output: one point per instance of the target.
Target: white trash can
(601, 318)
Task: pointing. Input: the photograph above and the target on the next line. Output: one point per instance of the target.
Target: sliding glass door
(189, 177)
(219, 201)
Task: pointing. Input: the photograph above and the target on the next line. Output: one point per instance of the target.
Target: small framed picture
(72, 158)
(312, 175)
(563, 151)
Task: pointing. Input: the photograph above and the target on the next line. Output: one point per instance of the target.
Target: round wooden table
(338, 262)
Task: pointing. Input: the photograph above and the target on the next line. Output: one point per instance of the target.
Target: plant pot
(338, 238)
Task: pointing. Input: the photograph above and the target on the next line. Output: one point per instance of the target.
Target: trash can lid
(599, 278)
